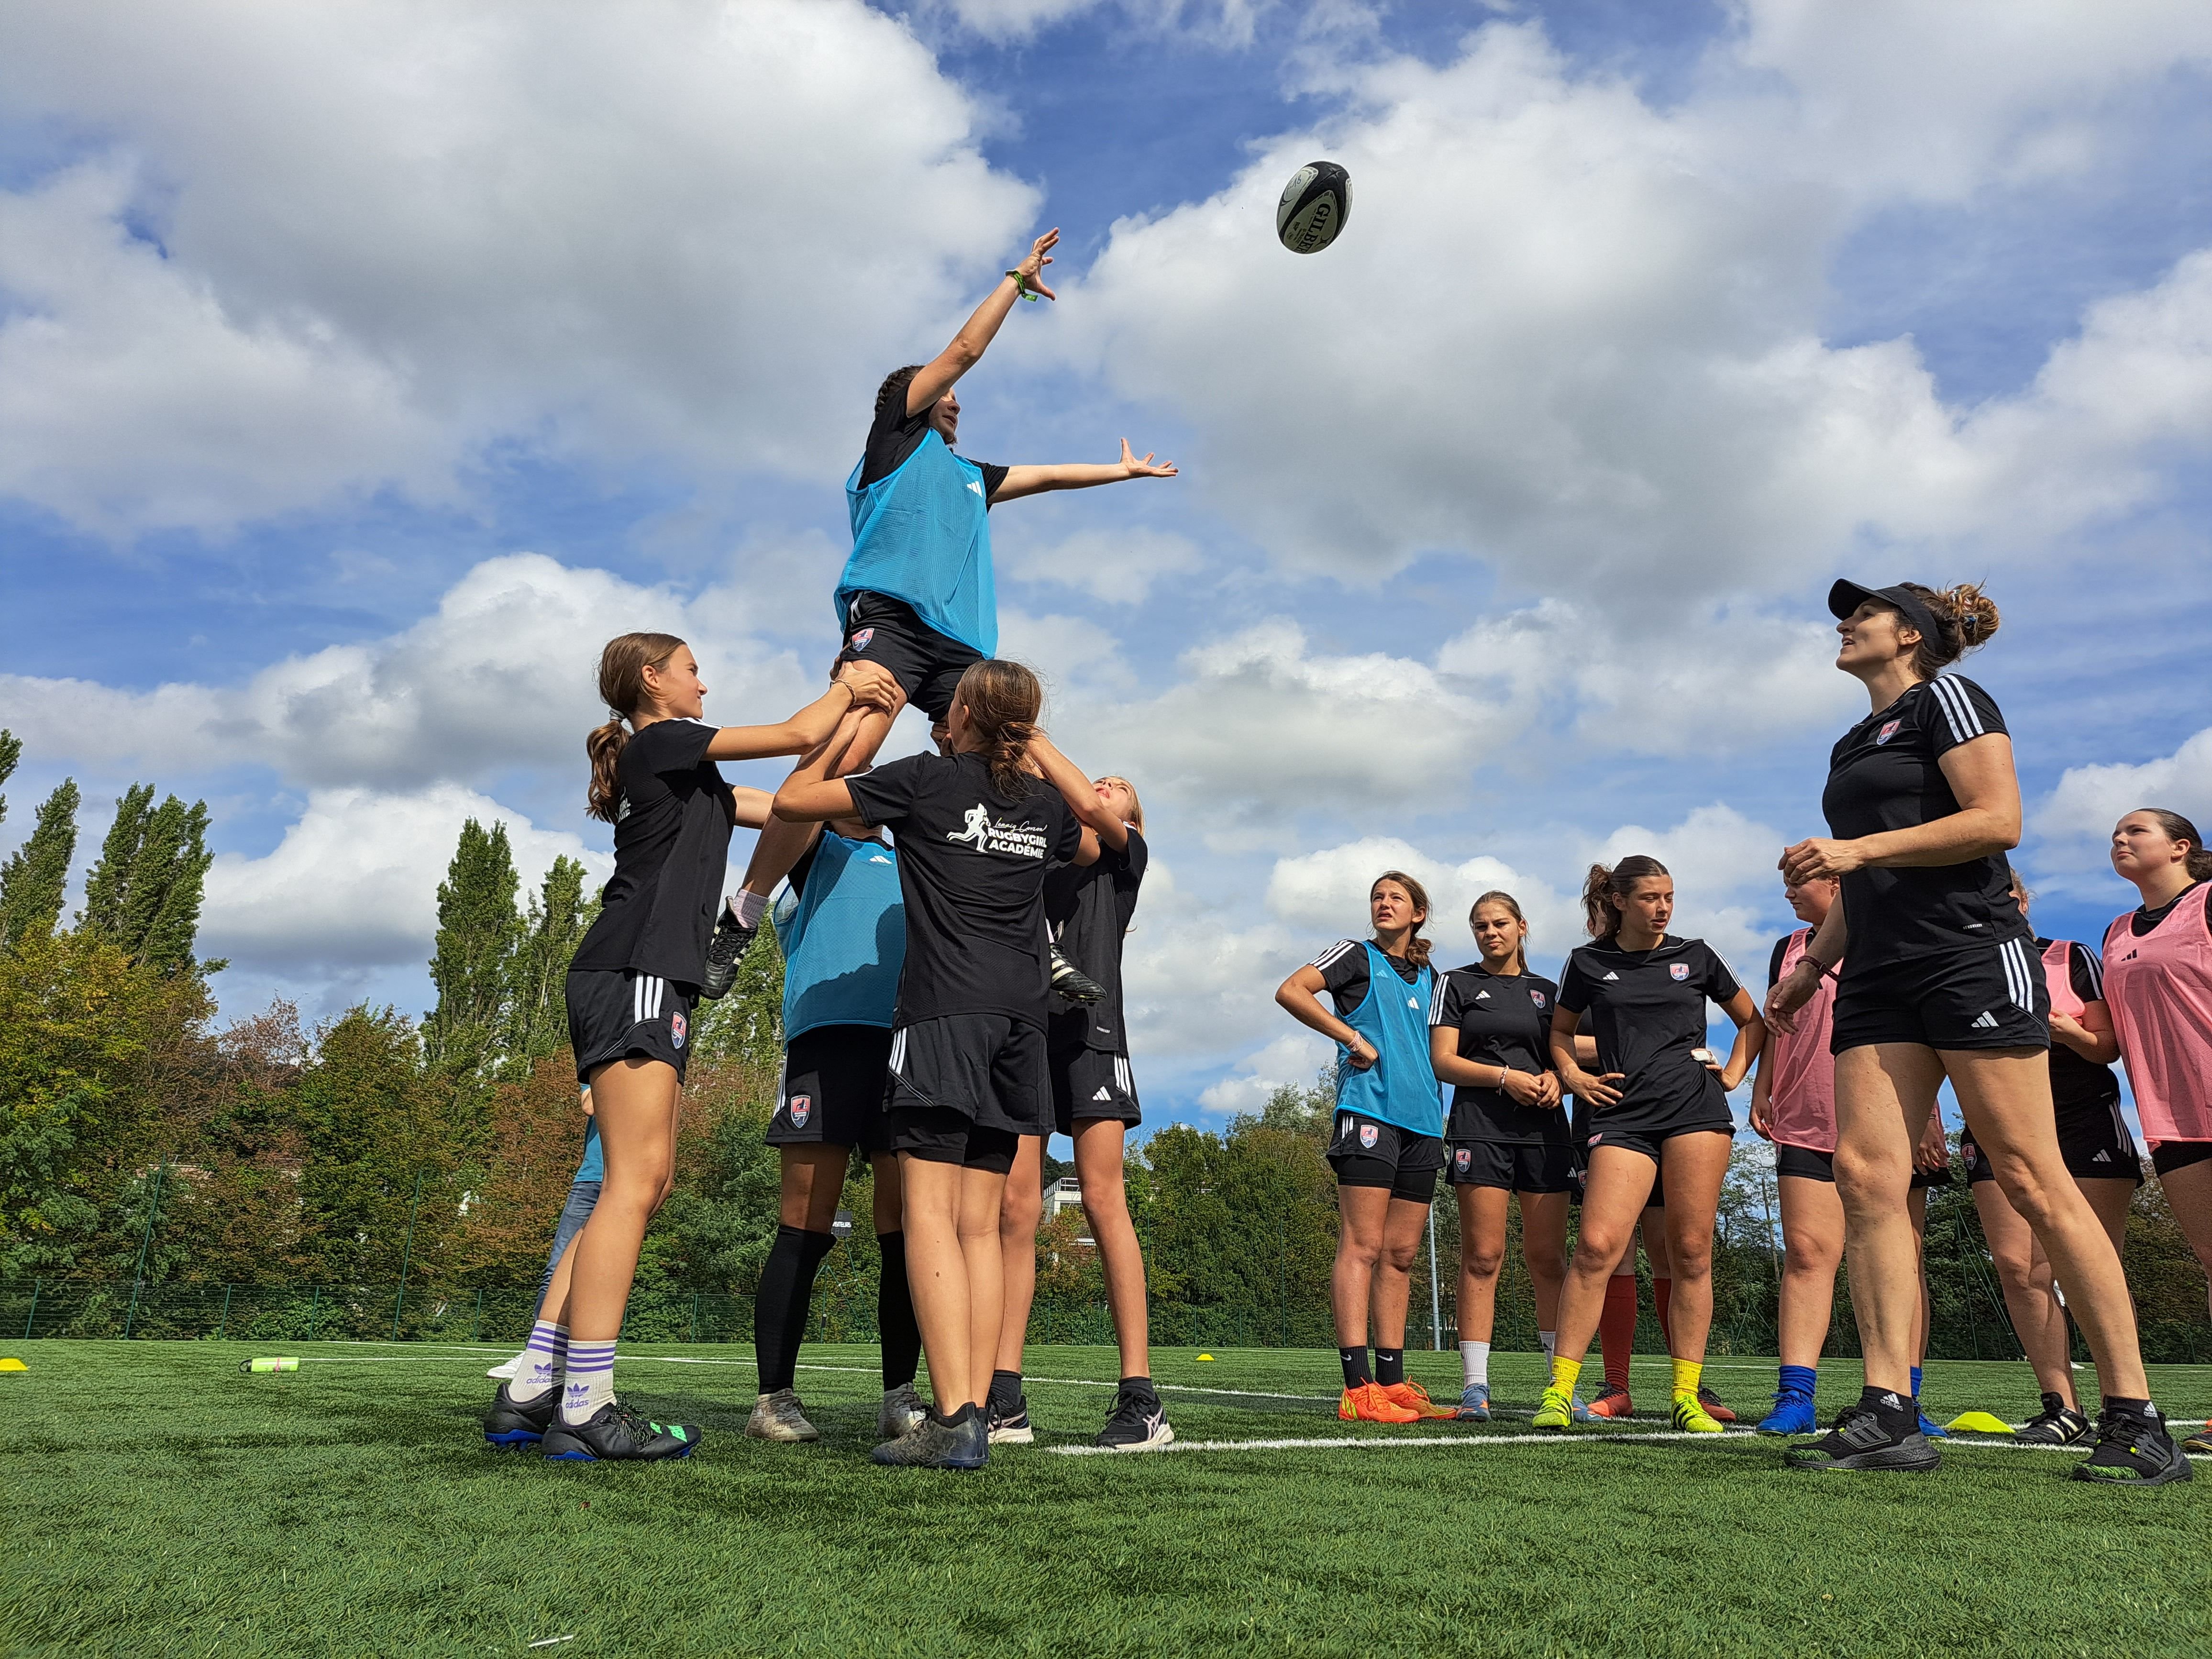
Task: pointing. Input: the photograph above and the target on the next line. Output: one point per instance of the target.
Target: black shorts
(2171, 1155)
(1544, 1167)
(833, 1088)
(1992, 996)
(926, 664)
(1091, 1082)
(1369, 1153)
(1648, 1138)
(1805, 1163)
(614, 1013)
(937, 1135)
(988, 1068)
(2093, 1139)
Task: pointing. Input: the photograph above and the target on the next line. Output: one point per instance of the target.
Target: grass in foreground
(161, 1502)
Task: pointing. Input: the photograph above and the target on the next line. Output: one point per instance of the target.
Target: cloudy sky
(364, 367)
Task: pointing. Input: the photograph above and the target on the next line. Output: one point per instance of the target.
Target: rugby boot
(615, 1433)
(902, 1409)
(962, 1441)
(510, 1425)
(731, 940)
(778, 1416)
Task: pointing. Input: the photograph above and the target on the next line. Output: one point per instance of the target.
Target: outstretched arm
(1077, 475)
(975, 334)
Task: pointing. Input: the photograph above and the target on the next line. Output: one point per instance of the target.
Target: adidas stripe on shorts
(1091, 1082)
(1985, 996)
(614, 1013)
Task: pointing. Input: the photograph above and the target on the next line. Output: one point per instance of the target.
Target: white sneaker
(510, 1370)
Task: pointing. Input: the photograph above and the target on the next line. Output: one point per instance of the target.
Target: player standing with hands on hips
(1389, 1141)
(917, 594)
(1939, 979)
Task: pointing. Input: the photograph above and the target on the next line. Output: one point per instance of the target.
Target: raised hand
(873, 685)
(1032, 268)
(1133, 468)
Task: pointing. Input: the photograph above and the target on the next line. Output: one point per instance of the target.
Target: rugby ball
(1316, 204)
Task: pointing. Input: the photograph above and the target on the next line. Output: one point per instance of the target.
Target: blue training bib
(922, 533)
(845, 941)
(1401, 1087)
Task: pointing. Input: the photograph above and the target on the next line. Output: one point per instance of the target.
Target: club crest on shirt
(1368, 1134)
(1887, 732)
(679, 1028)
(1536, 996)
(859, 640)
(802, 1108)
(988, 834)
(1677, 969)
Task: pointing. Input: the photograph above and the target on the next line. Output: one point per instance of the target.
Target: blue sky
(359, 374)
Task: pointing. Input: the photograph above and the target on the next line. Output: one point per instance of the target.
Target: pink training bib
(2160, 989)
(1803, 1095)
(2059, 974)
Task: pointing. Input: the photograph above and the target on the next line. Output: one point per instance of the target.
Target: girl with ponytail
(1388, 1143)
(631, 989)
(1937, 978)
(976, 830)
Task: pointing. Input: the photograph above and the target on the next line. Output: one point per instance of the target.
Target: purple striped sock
(545, 1356)
(590, 1380)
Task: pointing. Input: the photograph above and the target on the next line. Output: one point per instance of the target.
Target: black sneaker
(1139, 1423)
(1858, 1440)
(960, 1442)
(509, 1425)
(2057, 1425)
(2134, 1450)
(1071, 982)
(723, 952)
(1009, 1421)
(615, 1433)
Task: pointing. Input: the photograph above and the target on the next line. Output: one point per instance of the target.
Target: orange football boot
(1412, 1397)
(1612, 1403)
(1368, 1404)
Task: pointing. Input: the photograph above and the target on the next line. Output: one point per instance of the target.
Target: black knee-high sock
(787, 1287)
(895, 1322)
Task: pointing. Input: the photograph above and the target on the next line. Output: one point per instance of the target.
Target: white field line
(1470, 1442)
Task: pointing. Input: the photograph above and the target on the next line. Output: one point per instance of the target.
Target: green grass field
(158, 1501)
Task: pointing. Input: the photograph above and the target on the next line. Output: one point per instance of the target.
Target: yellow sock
(1686, 1374)
(1566, 1373)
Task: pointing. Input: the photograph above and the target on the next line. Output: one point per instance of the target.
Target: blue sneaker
(1931, 1429)
(1579, 1409)
(1475, 1403)
(1792, 1414)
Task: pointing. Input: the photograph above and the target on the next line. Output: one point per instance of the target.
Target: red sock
(1662, 1296)
(1616, 1328)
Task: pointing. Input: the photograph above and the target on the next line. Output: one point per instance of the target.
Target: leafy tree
(144, 893)
(478, 931)
(537, 1005)
(373, 1125)
(33, 880)
(11, 750)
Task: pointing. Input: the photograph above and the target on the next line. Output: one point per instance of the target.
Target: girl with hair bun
(1937, 978)
(1388, 1143)
(1659, 1117)
(976, 830)
(631, 988)
(2158, 984)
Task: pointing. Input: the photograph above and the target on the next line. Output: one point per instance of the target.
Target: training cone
(1205, 1356)
(13, 1365)
(271, 1365)
(1978, 1423)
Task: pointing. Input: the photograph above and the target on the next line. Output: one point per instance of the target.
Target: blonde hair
(1136, 808)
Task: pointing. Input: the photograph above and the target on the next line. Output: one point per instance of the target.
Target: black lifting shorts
(833, 1088)
(1368, 1152)
(1545, 1167)
(926, 664)
(1989, 996)
(614, 1014)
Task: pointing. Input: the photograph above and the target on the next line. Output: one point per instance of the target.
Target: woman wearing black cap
(1922, 803)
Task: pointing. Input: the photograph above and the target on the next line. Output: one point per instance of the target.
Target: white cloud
(2073, 825)
(1293, 1058)
(1227, 21)
(1724, 866)
(1325, 893)
(392, 232)
(1118, 566)
(354, 883)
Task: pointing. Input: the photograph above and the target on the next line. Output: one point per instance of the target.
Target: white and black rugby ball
(1315, 205)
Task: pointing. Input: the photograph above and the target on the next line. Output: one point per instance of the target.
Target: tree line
(143, 1140)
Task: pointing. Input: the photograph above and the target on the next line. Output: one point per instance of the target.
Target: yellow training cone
(13, 1365)
(1205, 1356)
(1978, 1423)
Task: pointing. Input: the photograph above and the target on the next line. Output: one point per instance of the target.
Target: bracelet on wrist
(1021, 286)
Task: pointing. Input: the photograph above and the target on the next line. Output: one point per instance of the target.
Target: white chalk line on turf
(1472, 1442)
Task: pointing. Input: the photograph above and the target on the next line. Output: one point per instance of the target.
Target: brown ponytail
(1965, 617)
(2177, 827)
(1603, 885)
(1002, 699)
(622, 688)
(1417, 948)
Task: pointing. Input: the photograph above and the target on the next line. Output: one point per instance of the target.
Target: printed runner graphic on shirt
(987, 834)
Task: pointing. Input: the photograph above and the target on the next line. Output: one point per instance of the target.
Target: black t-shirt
(1883, 775)
(1647, 1010)
(1088, 907)
(1503, 1019)
(2146, 918)
(972, 865)
(671, 849)
(2076, 1080)
(894, 434)
(1344, 973)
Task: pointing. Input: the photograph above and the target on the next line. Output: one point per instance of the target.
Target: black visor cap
(1846, 596)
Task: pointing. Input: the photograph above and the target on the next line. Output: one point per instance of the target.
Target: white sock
(1474, 1365)
(748, 908)
(544, 1361)
(590, 1380)
(1551, 1341)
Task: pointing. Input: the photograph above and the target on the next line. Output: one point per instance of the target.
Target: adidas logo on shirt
(1987, 1022)
(1609, 973)
(1482, 996)
(973, 485)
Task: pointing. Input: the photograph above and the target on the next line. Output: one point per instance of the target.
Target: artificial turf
(159, 1502)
